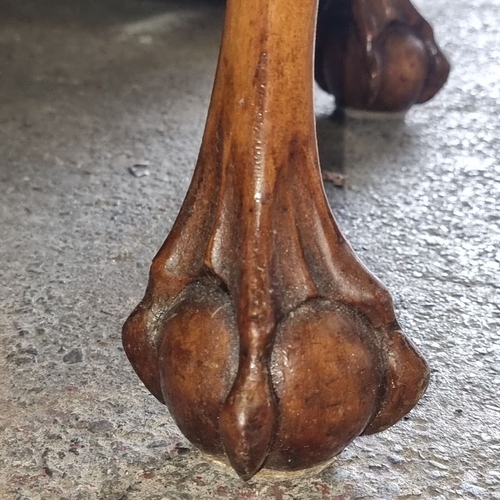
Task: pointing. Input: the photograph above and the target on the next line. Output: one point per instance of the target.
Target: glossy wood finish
(269, 341)
(377, 55)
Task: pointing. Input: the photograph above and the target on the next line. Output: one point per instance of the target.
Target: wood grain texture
(269, 341)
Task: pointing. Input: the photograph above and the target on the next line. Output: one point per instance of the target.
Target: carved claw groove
(268, 340)
(377, 55)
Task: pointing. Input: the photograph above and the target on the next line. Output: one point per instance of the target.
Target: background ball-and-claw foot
(377, 56)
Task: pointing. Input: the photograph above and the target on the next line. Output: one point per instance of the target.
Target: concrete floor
(88, 88)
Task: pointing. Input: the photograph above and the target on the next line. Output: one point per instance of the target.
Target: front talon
(377, 55)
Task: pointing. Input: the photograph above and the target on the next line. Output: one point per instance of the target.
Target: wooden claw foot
(377, 55)
(269, 341)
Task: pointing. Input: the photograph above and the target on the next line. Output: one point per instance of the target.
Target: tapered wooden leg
(269, 341)
(377, 55)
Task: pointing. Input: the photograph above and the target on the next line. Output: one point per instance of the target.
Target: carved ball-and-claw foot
(377, 55)
(268, 340)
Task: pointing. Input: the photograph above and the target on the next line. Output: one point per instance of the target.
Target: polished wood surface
(269, 341)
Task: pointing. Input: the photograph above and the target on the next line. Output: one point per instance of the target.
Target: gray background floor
(89, 88)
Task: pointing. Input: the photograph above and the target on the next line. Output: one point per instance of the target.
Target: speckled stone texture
(89, 89)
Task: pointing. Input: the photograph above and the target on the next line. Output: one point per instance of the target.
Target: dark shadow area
(350, 146)
(331, 133)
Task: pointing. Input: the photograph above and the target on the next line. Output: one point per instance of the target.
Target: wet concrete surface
(88, 89)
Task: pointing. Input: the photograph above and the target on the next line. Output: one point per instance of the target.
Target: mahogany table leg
(377, 55)
(269, 341)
